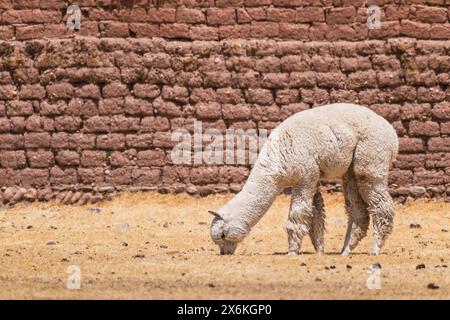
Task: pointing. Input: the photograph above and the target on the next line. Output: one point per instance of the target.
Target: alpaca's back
(326, 139)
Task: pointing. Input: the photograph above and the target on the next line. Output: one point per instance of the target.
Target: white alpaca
(337, 140)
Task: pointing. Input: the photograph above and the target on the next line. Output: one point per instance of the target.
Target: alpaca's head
(226, 233)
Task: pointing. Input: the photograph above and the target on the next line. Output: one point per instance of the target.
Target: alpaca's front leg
(300, 218)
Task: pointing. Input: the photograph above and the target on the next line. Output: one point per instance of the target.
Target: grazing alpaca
(337, 140)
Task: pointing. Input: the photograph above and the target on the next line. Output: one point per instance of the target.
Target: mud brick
(82, 141)
(269, 64)
(259, 96)
(146, 90)
(153, 124)
(204, 175)
(236, 112)
(401, 177)
(80, 107)
(225, 16)
(229, 95)
(34, 177)
(60, 176)
(293, 31)
(40, 159)
(287, 96)
(177, 94)
(68, 158)
(409, 161)
(441, 110)
(390, 112)
(355, 63)
(331, 80)
(292, 63)
(6, 32)
(52, 109)
(161, 15)
(437, 160)
(229, 174)
(428, 177)
(114, 29)
(203, 95)
(123, 159)
(8, 92)
(175, 174)
(166, 108)
(36, 123)
(344, 15)
(309, 14)
(138, 140)
(428, 14)
(163, 140)
(90, 91)
(303, 79)
(60, 91)
(115, 90)
(441, 144)
(362, 79)
(427, 128)
(93, 158)
(217, 79)
(188, 15)
(410, 111)
(32, 91)
(415, 29)
(146, 177)
(411, 145)
(275, 80)
(434, 94)
(69, 124)
(176, 30)
(19, 108)
(60, 140)
(144, 30)
(389, 79)
(124, 124)
(5, 125)
(112, 141)
(97, 124)
(445, 127)
(316, 97)
(151, 158)
(119, 176)
(133, 106)
(37, 140)
(91, 175)
(208, 110)
(13, 159)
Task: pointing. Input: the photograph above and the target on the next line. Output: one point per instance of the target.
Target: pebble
(432, 286)
(420, 266)
(415, 226)
(51, 243)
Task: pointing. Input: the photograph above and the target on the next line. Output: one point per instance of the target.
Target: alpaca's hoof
(345, 252)
(292, 253)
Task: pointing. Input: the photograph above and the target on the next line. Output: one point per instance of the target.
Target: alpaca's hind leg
(380, 207)
(300, 218)
(318, 223)
(358, 216)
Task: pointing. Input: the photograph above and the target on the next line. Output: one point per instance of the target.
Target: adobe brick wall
(93, 111)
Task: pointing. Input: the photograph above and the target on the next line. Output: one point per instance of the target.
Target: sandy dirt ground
(152, 246)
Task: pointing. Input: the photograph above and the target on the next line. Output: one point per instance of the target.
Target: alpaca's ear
(215, 214)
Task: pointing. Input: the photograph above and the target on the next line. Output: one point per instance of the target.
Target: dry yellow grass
(166, 253)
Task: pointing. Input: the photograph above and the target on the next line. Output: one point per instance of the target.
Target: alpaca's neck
(255, 198)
